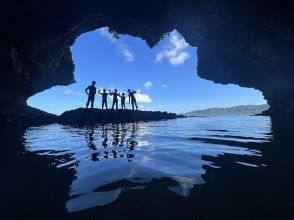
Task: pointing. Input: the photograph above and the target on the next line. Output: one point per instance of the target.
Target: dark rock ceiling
(244, 42)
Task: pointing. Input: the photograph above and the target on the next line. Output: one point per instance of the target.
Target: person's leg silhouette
(92, 102)
(104, 103)
(134, 104)
(114, 103)
(88, 101)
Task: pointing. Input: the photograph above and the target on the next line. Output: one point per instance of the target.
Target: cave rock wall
(244, 42)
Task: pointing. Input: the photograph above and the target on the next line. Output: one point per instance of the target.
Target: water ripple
(114, 158)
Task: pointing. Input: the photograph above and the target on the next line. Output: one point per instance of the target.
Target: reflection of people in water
(104, 136)
(132, 98)
(118, 139)
(132, 141)
(91, 92)
(115, 99)
(123, 134)
(90, 138)
(104, 98)
(115, 135)
(120, 146)
(95, 156)
(91, 144)
(114, 153)
(134, 133)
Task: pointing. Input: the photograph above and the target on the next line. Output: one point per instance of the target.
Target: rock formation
(83, 116)
(244, 42)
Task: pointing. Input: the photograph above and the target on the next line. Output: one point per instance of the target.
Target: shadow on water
(30, 186)
(173, 169)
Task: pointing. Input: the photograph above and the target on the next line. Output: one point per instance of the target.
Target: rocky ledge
(82, 116)
(26, 116)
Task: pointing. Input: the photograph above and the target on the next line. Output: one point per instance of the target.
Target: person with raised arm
(115, 98)
(104, 97)
(123, 100)
(132, 98)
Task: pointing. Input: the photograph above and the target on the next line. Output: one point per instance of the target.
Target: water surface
(114, 160)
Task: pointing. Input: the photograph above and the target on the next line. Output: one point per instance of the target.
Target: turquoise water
(111, 161)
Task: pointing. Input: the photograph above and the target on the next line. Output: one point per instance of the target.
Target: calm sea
(113, 162)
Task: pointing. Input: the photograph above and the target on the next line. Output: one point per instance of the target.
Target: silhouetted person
(132, 98)
(115, 99)
(91, 92)
(123, 101)
(104, 97)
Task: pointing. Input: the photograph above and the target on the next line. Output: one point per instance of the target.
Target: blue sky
(165, 77)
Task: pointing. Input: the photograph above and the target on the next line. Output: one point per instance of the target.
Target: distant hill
(236, 110)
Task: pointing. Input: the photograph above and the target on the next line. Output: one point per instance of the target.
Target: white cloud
(122, 47)
(174, 52)
(71, 92)
(142, 98)
(129, 57)
(148, 84)
(164, 86)
(141, 106)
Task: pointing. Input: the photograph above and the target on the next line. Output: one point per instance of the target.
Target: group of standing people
(92, 91)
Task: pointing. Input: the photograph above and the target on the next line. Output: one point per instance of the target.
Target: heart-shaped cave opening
(164, 77)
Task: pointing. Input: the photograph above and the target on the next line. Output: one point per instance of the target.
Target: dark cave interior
(248, 43)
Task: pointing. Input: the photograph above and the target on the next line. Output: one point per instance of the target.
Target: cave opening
(165, 77)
